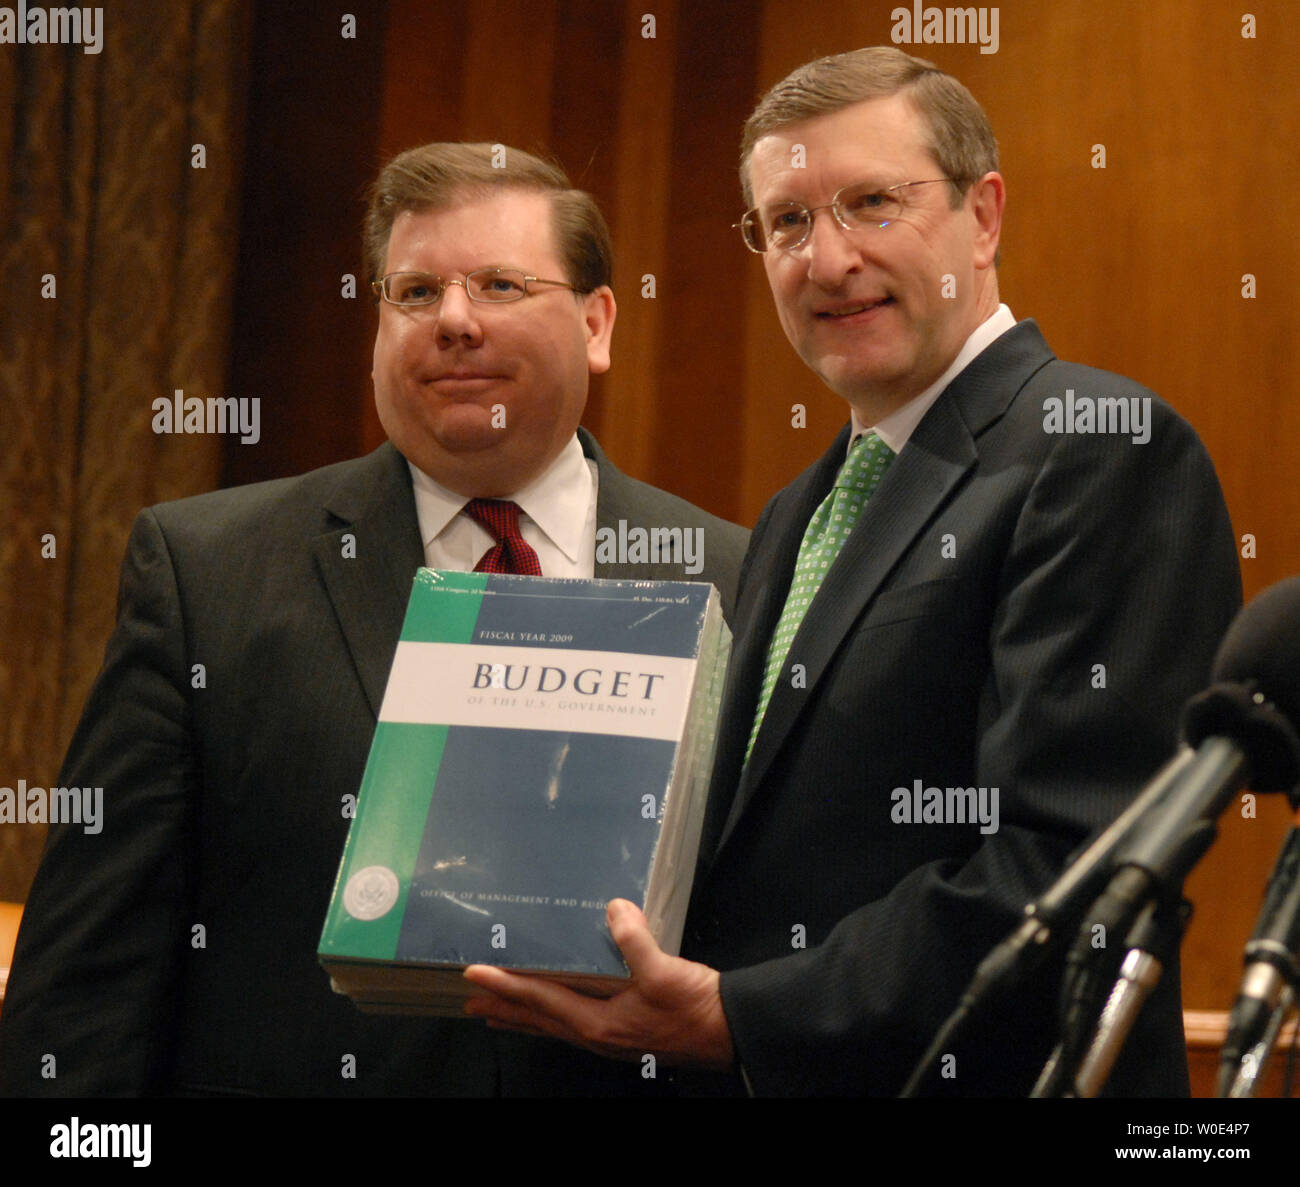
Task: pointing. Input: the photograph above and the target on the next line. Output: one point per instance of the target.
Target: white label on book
(539, 688)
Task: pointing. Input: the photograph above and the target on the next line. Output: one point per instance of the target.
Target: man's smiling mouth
(851, 310)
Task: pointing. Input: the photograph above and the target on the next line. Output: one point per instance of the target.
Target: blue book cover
(543, 746)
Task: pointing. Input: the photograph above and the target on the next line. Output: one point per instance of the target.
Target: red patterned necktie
(512, 554)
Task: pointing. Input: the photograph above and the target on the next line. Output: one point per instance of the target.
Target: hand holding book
(671, 1009)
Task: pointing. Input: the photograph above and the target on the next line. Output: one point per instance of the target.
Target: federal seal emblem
(370, 893)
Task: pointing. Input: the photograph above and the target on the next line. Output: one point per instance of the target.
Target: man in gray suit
(962, 640)
(175, 951)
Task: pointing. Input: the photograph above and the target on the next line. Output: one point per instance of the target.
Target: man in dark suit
(175, 950)
(962, 640)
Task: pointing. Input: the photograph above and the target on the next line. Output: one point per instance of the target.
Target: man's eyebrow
(874, 181)
(476, 268)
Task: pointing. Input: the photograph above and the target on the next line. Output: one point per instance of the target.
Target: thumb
(631, 933)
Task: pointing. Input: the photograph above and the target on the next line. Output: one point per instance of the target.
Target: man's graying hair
(961, 140)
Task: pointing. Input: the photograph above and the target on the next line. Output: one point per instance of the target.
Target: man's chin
(470, 439)
(470, 428)
(857, 365)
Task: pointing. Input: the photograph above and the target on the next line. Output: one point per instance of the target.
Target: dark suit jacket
(956, 640)
(223, 803)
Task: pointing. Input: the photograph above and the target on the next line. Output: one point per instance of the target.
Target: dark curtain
(116, 264)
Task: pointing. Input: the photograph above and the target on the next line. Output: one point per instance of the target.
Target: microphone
(1272, 973)
(1022, 951)
(1014, 960)
(1243, 731)
(1267, 646)
(1261, 649)
(1243, 734)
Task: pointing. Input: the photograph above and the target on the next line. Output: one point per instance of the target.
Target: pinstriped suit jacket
(223, 803)
(999, 576)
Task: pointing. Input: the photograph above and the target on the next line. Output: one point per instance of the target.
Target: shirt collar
(556, 501)
(898, 426)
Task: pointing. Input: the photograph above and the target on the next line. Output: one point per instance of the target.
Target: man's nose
(458, 317)
(832, 252)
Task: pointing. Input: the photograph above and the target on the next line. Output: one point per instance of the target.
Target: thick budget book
(544, 745)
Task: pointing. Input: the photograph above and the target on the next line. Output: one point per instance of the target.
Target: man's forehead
(505, 205)
(873, 137)
(508, 217)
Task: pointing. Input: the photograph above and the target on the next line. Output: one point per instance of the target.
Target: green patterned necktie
(822, 540)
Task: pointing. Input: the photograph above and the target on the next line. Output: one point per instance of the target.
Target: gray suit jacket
(175, 952)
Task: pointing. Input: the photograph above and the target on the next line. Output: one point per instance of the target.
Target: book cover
(543, 746)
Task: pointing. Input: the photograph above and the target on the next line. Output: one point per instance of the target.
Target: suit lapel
(611, 500)
(617, 503)
(372, 502)
(761, 601)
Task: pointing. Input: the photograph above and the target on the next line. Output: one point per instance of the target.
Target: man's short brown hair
(437, 176)
(961, 139)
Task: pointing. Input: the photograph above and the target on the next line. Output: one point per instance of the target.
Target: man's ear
(598, 313)
(988, 198)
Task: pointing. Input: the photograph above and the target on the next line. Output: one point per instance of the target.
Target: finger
(503, 1017)
(631, 932)
(491, 978)
(532, 993)
(502, 1014)
(480, 1006)
(500, 1009)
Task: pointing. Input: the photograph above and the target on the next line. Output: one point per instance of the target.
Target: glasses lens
(412, 288)
(496, 284)
(785, 225)
(867, 206)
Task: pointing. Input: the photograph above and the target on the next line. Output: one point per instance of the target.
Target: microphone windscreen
(1262, 647)
(1270, 742)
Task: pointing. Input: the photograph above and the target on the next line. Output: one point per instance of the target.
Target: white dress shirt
(898, 426)
(557, 517)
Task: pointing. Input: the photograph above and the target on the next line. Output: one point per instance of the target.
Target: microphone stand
(1010, 965)
(1152, 942)
(1147, 899)
(1253, 1062)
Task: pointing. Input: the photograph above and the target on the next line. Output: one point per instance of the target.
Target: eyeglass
(785, 225)
(492, 286)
